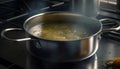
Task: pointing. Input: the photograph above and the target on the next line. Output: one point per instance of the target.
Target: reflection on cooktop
(33, 63)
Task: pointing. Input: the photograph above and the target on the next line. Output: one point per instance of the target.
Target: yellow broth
(58, 31)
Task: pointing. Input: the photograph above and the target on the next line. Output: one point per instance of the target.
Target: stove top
(14, 55)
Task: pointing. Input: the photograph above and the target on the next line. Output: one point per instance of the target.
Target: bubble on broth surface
(58, 31)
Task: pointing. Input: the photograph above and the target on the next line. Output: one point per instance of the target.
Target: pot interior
(61, 26)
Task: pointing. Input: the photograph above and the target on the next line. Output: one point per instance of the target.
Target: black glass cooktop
(14, 55)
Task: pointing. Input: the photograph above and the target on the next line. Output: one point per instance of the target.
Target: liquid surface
(58, 31)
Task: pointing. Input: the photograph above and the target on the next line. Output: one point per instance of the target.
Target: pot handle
(110, 29)
(13, 39)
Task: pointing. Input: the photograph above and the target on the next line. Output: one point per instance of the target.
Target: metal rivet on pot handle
(13, 29)
(110, 29)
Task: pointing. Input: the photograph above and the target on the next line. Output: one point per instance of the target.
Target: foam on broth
(58, 31)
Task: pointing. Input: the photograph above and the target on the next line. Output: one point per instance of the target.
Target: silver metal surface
(86, 7)
(112, 20)
(91, 25)
(62, 51)
(66, 50)
(13, 39)
(69, 51)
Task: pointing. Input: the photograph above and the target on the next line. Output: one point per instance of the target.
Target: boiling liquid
(58, 31)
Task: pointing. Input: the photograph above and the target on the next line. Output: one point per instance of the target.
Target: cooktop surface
(14, 55)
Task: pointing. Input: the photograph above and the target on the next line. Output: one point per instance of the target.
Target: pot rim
(98, 32)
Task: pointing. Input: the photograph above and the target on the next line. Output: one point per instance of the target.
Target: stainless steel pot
(86, 7)
(66, 50)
